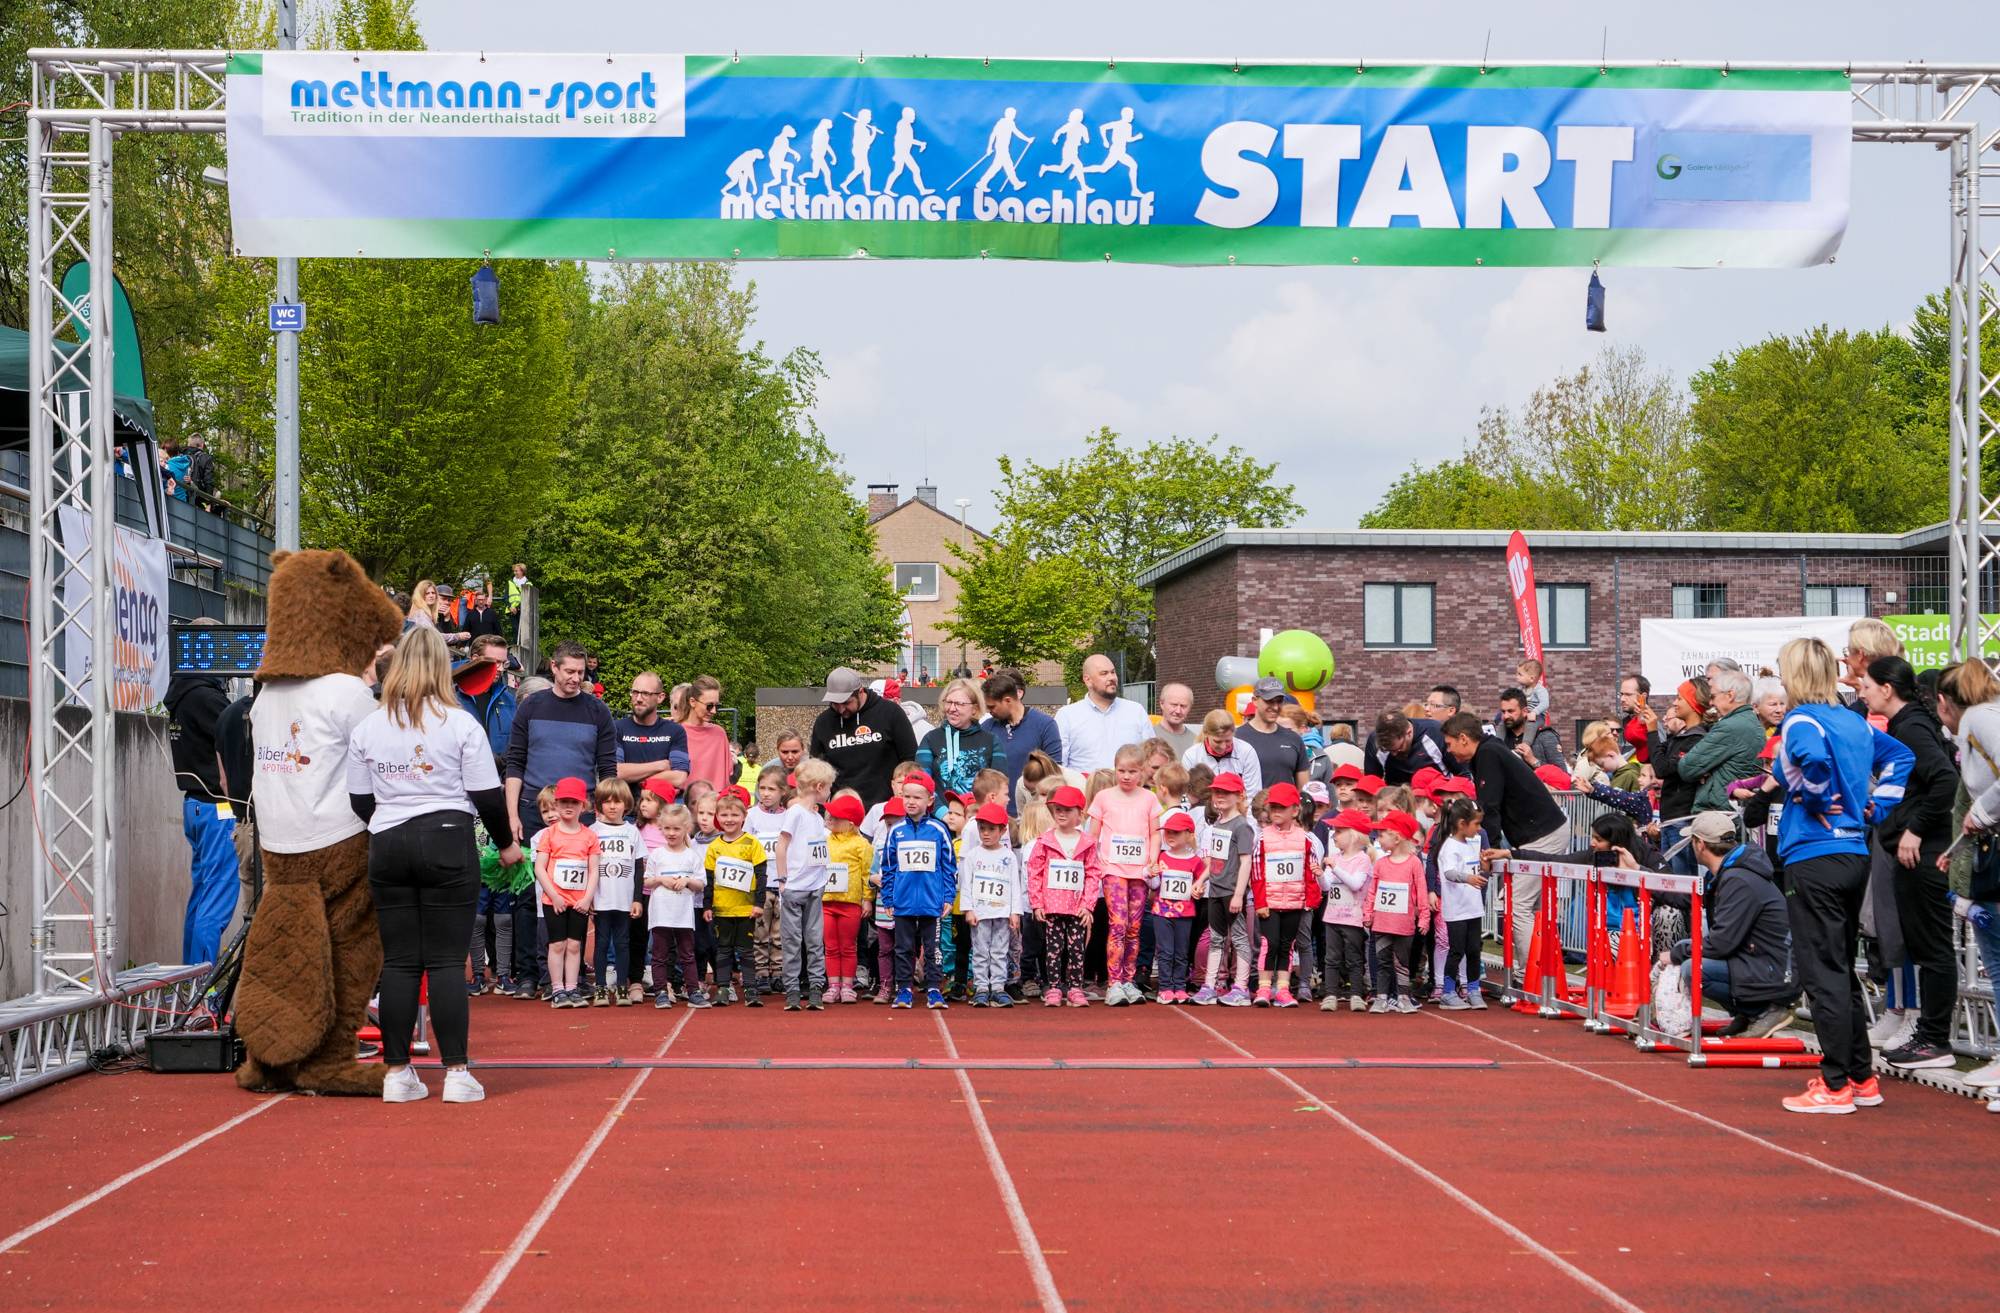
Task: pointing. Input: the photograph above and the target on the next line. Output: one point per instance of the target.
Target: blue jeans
(1714, 980)
(1988, 943)
(212, 875)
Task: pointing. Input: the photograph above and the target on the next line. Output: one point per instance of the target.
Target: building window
(921, 661)
(1701, 601)
(1836, 599)
(917, 581)
(1565, 614)
(1396, 615)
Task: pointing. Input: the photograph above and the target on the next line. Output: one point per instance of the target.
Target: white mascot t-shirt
(299, 730)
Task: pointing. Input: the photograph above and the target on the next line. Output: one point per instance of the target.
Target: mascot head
(324, 616)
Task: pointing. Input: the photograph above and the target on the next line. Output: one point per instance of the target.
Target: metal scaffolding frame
(84, 100)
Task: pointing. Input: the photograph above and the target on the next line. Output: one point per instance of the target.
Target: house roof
(1930, 538)
(908, 502)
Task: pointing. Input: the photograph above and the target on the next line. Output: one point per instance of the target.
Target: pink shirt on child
(1396, 900)
(1124, 830)
(1344, 877)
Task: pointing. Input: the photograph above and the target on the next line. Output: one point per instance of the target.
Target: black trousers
(424, 874)
(916, 934)
(1825, 909)
(1280, 930)
(1926, 921)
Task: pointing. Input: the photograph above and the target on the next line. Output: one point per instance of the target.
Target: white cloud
(852, 388)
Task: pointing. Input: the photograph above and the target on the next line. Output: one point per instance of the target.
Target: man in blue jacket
(919, 873)
(481, 683)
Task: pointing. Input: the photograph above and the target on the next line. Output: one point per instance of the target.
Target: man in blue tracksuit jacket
(919, 880)
(1839, 774)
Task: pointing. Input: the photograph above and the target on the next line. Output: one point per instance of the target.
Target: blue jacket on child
(919, 892)
(1835, 766)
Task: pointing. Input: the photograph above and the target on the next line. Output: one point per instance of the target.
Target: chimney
(927, 494)
(881, 500)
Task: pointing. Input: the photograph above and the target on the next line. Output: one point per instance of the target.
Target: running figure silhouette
(1071, 136)
(903, 154)
(862, 143)
(1000, 145)
(1116, 136)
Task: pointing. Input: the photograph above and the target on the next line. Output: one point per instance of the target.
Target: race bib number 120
(1176, 886)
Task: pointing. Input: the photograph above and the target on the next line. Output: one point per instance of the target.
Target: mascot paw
(341, 1076)
(259, 1079)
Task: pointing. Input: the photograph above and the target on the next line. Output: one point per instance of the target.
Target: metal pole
(41, 568)
(1974, 382)
(1954, 548)
(285, 490)
(103, 497)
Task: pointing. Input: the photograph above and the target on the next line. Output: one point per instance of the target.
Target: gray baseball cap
(842, 684)
(1268, 687)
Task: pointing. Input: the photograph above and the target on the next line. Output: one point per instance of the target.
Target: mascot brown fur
(313, 957)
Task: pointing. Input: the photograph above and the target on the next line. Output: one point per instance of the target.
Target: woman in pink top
(1123, 820)
(1063, 883)
(1284, 883)
(708, 742)
(1395, 907)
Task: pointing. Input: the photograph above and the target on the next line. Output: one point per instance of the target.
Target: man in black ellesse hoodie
(861, 736)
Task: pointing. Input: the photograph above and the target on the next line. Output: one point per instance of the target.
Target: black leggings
(1279, 929)
(1219, 915)
(425, 877)
(1463, 940)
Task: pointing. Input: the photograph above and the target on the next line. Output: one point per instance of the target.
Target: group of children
(1378, 889)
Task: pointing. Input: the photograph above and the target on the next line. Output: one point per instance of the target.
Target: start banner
(656, 157)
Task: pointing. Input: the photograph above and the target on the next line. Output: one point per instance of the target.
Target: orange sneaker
(1867, 1093)
(1818, 1098)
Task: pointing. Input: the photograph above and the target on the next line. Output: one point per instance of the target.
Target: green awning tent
(134, 414)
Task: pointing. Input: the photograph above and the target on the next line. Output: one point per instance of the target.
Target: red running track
(1566, 1172)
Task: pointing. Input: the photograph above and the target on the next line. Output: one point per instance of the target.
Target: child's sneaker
(559, 999)
(934, 1000)
(1077, 999)
(634, 993)
(732, 995)
(459, 1087)
(1206, 997)
(1356, 1003)
(600, 998)
(697, 999)
(1380, 1006)
(1002, 1000)
(403, 1086)
(1263, 997)
(753, 997)
(1284, 999)
(1867, 1093)
(882, 996)
(1331, 1003)
(816, 1000)
(1407, 1005)
(904, 998)
(722, 999)
(1453, 1003)
(1475, 998)
(982, 999)
(665, 999)
(1304, 993)
(1052, 998)
(793, 1003)
(1237, 997)
(1114, 995)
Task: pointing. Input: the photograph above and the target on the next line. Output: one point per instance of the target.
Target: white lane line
(70, 1210)
(1024, 1233)
(1706, 1120)
(1450, 1191)
(507, 1261)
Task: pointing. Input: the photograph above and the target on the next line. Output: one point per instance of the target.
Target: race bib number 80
(1284, 868)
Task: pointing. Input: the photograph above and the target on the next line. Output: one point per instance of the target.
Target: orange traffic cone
(1629, 982)
(1531, 978)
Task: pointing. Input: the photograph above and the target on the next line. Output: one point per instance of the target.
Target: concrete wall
(150, 852)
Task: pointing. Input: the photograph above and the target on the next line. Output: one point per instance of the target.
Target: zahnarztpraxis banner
(654, 157)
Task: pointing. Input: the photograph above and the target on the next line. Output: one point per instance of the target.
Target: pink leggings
(1125, 911)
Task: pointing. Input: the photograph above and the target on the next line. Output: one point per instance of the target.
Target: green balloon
(1300, 658)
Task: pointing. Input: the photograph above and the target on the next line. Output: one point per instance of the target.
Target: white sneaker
(1993, 1105)
(1985, 1077)
(459, 1087)
(1888, 1030)
(402, 1086)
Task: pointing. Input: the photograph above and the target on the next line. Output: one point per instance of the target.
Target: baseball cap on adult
(1068, 796)
(1227, 782)
(1177, 821)
(1268, 687)
(1282, 795)
(571, 789)
(842, 683)
(1399, 823)
(991, 814)
(1715, 828)
(846, 809)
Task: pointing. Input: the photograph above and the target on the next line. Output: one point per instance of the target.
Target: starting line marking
(1024, 1231)
(955, 1063)
(1738, 1131)
(69, 1210)
(1458, 1196)
(500, 1271)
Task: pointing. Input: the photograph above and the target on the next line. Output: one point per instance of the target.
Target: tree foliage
(699, 521)
(1060, 574)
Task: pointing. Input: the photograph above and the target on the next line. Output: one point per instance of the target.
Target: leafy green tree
(700, 522)
(1060, 575)
(1815, 433)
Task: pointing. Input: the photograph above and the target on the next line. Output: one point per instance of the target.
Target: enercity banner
(139, 578)
(659, 157)
(1673, 650)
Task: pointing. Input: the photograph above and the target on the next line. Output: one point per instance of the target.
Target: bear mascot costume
(313, 957)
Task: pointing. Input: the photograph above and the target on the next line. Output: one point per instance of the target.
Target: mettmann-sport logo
(425, 94)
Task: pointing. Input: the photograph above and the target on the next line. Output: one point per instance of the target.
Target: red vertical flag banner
(1521, 579)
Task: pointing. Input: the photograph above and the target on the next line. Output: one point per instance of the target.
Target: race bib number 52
(1392, 898)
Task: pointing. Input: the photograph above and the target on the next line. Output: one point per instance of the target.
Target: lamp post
(962, 503)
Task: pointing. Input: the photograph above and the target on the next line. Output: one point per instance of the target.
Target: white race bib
(1128, 849)
(1176, 886)
(1284, 868)
(1066, 877)
(570, 873)
(916, 857)
(816, 851)
(1392, 898)
(990, 893)
(1218, 845)
(735, 873)
(1337, 894)
(836, 877)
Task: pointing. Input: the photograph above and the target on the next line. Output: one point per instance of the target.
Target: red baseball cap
(965, 798)
(1177, 821)
(663, 789)
(738, 792)
(1370, 785)
(1068, 796)
(846, 809)
(991, 814)
(1400, 822)
(1455, 784)
(1770, 748)
(1283, 795)
(1425, 781)
(895, 807)
(892, 689)
(571, 789)
(1227, 782)
(1351, 819)
(1554, 776)
(918, 777)
(1346, 771)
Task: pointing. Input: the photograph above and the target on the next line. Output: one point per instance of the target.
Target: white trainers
(402, 1086)
(1892, 1029)
(459, 1087)
(1986, 1077)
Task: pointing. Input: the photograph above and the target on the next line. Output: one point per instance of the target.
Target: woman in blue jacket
(1840, 774)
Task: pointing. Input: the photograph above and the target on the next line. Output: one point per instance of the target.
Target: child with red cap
(1395, 906)
(849, 860)
(879, 911)
(1285, 885)
(1175, 889)
(1122, 820)
(1064, 879)
(566, 869)
(993, 892)
(1345, 874)
(919, 879)
(1231, 839)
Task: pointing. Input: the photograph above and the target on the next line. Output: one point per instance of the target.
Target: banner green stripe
(724, 239)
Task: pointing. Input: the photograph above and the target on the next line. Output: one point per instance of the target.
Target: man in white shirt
(1099, 723)
(1176, 701)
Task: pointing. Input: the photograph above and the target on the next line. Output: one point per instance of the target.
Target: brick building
(1405, 609)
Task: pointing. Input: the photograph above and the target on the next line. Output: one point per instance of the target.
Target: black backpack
(201, 470)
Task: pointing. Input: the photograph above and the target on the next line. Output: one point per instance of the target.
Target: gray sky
(1343, 376)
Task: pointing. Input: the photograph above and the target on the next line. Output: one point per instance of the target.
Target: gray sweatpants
(802, 931)
(991, 940)
(1552, 847)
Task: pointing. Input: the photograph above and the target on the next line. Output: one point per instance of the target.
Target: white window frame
(912, 595)
(1833, 592)
(1545, 596)
(1400, 588)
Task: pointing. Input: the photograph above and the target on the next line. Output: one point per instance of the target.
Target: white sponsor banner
(426, 94)
(1673, 650)
(141, 668)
